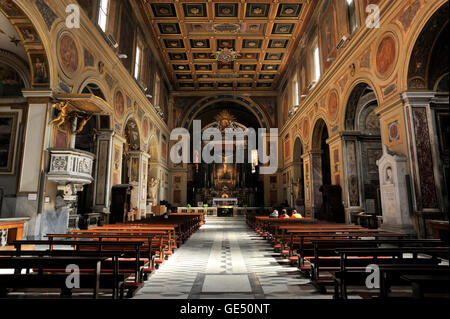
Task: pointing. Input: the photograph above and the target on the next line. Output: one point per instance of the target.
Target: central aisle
(226, 259)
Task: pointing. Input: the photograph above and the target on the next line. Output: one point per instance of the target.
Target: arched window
(103, 14)
(315, 61)
(295, 96)
(351, 15)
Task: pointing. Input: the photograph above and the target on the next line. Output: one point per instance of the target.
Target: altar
(225, 201)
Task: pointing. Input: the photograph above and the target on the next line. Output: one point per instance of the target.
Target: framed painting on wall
(8, 125)
(392, 131)
(177, 179)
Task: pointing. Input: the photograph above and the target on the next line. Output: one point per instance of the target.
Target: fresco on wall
(40, 72)
(333, 106)
(394, 133)
(68, 54)
(10, 8)
(386, 55)
(145, 128)
(11, 83)
(328, 35)
(119, 104)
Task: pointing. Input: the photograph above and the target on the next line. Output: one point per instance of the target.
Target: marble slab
(226, 283)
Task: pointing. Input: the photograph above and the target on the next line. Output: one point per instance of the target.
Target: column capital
(106, 133)
(139, 154)
(312, 153)
(417, 98)
(38, 96)
(119, 138)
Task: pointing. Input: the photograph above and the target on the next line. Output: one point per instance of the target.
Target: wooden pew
(429, 282)
(172, 236)
(130, 260)
(326, 248)
(124, 257)
(90, 278)
(301, 238)
(153, 242)
(390, 275)
(390, 260)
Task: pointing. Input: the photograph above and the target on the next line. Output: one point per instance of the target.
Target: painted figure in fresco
(40, 71)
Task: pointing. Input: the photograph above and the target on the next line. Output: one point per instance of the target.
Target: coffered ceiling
(264, 33)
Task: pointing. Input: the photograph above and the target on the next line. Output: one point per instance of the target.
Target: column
(429, 193)
(138, 179)
(312, 162)
(352, 194)
(103, 170)
(31, 175)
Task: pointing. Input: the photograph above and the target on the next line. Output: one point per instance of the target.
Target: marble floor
(226, 259)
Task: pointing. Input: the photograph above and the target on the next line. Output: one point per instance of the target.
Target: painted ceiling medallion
(226, 55)
(226, 27)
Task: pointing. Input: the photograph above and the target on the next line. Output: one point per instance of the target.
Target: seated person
(274, 214)
(295, 214)
(284, 214)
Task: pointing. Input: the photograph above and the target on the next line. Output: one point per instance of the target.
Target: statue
(84, 120)
(67, 116)
(152, 185)
(297, 187)
(63, 116)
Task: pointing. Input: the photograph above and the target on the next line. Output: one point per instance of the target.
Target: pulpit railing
(70, 166)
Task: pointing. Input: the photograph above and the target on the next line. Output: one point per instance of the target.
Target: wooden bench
(390, 275)
(429, 282)
(90, 278)
(124, 257)
(325, 249)
(129, 261)
(152, 248)
(301, 239)
(359, 258)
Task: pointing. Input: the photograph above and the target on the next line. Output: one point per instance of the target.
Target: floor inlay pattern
(226, 259)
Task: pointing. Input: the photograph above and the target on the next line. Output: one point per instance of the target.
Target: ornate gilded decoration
(64, 114)
(225, 120)
(226, 55)
(67, 116)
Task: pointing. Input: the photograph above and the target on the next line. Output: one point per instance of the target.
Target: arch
(361, 150)
(360, 97)
(132, 135)
(298, 184)
(442, 83)
(28, 26)
(298, 149)
(436, 9)
(100, 86)
(18, 65)
(320, 129)
(247, 103)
